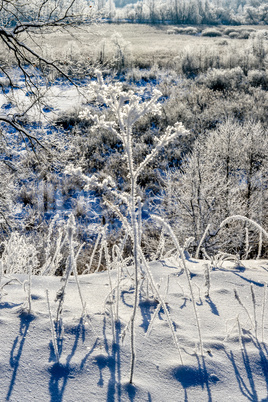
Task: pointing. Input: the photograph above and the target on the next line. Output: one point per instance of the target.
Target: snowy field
(94, 354)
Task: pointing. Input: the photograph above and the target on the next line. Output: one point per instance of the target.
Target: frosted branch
(243, 219)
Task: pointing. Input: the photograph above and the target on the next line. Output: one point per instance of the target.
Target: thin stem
(175, 240)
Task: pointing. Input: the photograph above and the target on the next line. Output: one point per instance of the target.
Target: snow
(57, 99)
(94, 364)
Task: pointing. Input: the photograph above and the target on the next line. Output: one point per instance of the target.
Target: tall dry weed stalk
(52, 328)
(263, 310)
(207, 279)
(71, 267)
(201, 241)
(246, 220)
(187, 272)
(127, 109)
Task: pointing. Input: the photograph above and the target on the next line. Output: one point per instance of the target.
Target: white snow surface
(58, 99)
(94, 359)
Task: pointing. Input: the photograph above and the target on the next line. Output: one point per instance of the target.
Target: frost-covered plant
(217, 260)
(237, 297)
(27, 285)
(263, 310)
(52, 252)
(122, 53)
(70, 268)
(157, 310)
(259, 41)
(201, 241)
(224, 79)
(211, 32)
(19, 251)
(187, 272)
(52, 328)
(253, 320)
(97, 242)
(207, 279)
(127, 108)
(244, 219)
(217, 180)
(258, 78)
(160, 248)
(251, 222)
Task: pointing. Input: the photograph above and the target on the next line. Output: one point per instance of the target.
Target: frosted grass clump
(19, 251)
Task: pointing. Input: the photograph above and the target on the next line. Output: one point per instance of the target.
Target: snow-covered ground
(55, 100)
(95, 361)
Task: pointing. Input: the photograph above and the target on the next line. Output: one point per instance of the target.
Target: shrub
(223, 80)
(191, 31)
(189, 65)
(178, 30)
(244, 34)
(184, 31)
(233, 35)
(211, 32)
(228, 30)
(257, 78)
(261, 34)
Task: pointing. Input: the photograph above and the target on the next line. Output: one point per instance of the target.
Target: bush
(191, 31)
(171, 31)
(189, 65)
(211, 32)
(178, 30)
(261, 34)
(223, 80)
(244, 34)
(233, 35)
(257, 78)
(184, 31)
(228, 30)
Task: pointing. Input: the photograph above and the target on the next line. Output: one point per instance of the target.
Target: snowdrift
(94, 355)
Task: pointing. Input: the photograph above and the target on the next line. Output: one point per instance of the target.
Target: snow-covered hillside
(94, 352)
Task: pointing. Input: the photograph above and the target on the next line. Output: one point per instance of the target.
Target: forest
(193, 12)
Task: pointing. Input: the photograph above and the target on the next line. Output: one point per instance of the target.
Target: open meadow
(144, 45)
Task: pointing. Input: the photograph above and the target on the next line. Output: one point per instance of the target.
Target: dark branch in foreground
(29, 19)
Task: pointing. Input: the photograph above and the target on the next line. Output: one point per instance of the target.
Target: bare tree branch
(17, 18)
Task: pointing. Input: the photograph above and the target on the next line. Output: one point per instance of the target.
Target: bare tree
(22, 24)
(225, 175)
(27, 63)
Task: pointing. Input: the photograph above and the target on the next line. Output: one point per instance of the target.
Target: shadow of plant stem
(25, 321)
(249, 391)
(113, 362)
(62, 371)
